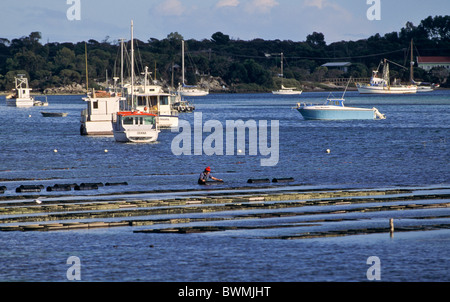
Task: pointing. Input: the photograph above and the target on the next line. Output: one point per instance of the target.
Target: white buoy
(328, 151)
(106, 150)
(55, 150)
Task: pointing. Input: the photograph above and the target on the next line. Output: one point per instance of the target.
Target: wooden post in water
(391, 224)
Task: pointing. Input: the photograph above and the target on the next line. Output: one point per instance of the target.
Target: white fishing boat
(187, 90)
(286, 90)
(334, 109)
(151, 98)
(100, 106)
(21, 95)
(96, 118)
(382, 85)
(133, 125)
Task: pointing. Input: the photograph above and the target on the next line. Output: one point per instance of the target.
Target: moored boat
(21, 96)
(54, 114)
(96, 118)
(187, 90)
(135, 127)
(286, 90)
(334, 109)
(382, 85)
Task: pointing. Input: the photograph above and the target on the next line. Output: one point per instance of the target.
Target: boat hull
(193, 93)
(368, 89)
(167, 121)
(337, 114)
(278, 92)
(20, 102)
(135, 136)
(101, 128)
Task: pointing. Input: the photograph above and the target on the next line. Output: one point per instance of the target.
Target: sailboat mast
(132, 65)
(282, 75)
(87, 78)
(182, 59)
(121, 66)
(412, 63)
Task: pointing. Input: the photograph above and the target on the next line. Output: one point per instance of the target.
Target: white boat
(152, 99)
(286, 90)
(41, 103)
(382, 85)
(100, 106)
(135, 127)
(21, 96)
(186, 90)
(334, 109)
(96, 118)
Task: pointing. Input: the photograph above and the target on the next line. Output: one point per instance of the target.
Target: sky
(82, 20)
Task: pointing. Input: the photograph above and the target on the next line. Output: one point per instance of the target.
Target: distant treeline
(254, 63)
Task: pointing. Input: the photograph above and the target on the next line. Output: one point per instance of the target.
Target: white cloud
(224, 3)
(261, 6)
(317, 3)
(170, 8)
(328, 4)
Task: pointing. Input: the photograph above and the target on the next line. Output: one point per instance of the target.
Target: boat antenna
(132, 66)
(349, 80)
(87, 78)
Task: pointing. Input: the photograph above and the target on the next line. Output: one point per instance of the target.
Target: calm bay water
(408, 149)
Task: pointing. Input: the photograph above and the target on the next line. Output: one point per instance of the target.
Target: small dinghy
(54, 114)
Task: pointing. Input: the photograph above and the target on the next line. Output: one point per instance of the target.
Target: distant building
(339, 65)
(427, 63)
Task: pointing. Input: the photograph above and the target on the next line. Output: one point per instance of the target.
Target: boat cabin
(136, 118)
(335, 102)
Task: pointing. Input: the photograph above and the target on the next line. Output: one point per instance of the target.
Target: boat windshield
(149, 120)
(138, 120)
(335, 102)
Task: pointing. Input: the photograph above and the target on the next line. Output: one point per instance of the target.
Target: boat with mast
(421, 87)
(100, 105)
(383, 85)
(286, 90)
(334, 109)
(21, 96)
(151, 98)
(187, 90)
(133, 125)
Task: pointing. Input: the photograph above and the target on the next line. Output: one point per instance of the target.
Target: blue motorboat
(334, 109)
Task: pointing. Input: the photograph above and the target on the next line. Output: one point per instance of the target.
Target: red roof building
(427, 63)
